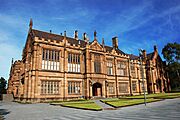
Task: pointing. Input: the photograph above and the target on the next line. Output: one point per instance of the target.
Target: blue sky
(136, 23)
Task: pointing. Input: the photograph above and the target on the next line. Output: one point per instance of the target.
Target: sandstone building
(57, 67)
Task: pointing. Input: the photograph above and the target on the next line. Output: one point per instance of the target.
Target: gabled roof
(82, 43)
(150, 56)
(109, 49)
(46, 35)
(72, 41)
(133, 57)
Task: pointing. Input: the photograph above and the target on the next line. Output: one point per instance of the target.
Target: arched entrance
(97, 89)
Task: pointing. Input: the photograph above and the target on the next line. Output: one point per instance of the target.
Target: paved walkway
(163, 110)
(103, 105)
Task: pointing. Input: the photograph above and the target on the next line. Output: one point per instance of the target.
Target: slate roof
(109, 49)
(82, 43)
(133, 57)
(150, 56)
(72, 41)
(46, 35)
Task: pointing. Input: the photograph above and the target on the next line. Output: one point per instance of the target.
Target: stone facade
(57, 67)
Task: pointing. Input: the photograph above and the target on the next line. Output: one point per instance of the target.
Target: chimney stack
(115, 42)
(64, 33)
(76, 35)
(155, 48)
(95, 35)
(84, 36)
(31, 23)
(103, 42)
(12, 61)
(144, 54)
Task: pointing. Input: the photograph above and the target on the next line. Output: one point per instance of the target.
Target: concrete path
(103, 105)
(163, 110)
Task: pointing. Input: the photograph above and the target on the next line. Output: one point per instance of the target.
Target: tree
(2, 85)
(171, 52)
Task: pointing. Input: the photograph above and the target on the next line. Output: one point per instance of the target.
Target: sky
(136, 23)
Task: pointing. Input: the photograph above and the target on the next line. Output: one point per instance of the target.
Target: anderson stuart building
(57, 67)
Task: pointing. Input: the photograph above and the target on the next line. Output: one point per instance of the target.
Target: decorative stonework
(30, 80)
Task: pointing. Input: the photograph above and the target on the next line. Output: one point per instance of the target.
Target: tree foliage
(2, 85)
(171, 52)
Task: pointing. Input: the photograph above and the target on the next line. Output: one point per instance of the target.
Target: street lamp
(141, 67)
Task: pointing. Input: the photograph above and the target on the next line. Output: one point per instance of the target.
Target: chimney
(115, 42)
(95, 35)
(155, 48)
(64, 33)
(12, 61)
(144, 54)
(84, 36)
(50, 31)
(103, 42)
(76, 35)
(31, 23)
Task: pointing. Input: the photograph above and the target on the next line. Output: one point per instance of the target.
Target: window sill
(50, 94)
(74, 93)
(50, 70)
(74, 72)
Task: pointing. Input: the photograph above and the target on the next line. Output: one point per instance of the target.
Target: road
(163, 110)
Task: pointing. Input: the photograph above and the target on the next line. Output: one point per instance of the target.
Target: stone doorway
(97, 89)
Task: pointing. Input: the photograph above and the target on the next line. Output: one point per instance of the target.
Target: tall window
(74, 87)
(121, 68)
(50, 87)
(97, 63)
(73, 62)
(109, 67)
(50, 59)
(134, 86)
(133, 73)
(123, 87)
(111, 88)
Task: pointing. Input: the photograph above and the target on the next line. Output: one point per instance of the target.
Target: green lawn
(158, 96)
(88, 104)
(128, 102)
(68, 101)
(109, 99)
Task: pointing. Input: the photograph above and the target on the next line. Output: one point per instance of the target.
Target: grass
(129, 102)
(86, 104)
(109, 99)
(158, 96)
(76, 100)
